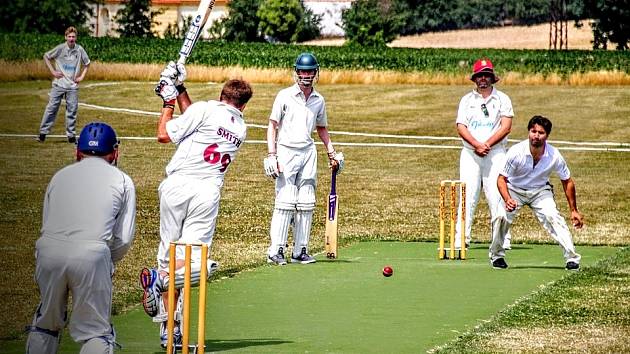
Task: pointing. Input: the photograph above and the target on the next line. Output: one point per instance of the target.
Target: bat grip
(333, 182)
(182, 59)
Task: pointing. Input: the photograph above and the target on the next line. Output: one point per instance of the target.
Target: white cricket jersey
(91, 200)
(482, 116)
(520, 170)
(69, 61)
(208, 136)
(297, 117)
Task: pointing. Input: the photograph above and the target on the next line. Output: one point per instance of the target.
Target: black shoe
(499, 263)
(278, 258)
(72, 139)
(41, 138)
(303, 258)
(573, 266)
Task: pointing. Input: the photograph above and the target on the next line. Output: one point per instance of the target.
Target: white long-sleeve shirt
(91, 201)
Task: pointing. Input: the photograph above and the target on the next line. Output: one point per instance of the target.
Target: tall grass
(37, 70)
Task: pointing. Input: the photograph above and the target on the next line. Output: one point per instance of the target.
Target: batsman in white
(292, 160)
(68, 63)
(88, 225)
(484, 120)
(208, 136)
(524, 180)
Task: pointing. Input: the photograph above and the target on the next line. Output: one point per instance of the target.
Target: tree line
(366, 22)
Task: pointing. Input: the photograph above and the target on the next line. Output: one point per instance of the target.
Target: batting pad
(195, 274)
(287, 197)
(306, 197)
(302, 230)
(279, 230)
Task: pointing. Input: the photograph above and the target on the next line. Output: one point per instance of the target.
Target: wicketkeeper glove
(336, 160)
(167, 91)
(271, 166)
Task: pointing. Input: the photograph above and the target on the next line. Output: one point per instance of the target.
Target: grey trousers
(54, 101)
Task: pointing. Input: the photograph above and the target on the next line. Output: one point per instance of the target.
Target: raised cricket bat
(331, 218)
(195, 29)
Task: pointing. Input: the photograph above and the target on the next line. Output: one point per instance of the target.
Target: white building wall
(331, 15)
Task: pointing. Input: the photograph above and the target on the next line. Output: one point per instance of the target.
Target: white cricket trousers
(84, 269)
(479, 172)
(544, 207)
(189, 208)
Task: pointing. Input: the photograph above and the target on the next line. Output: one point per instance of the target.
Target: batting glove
(174, 71)
(271, 166)
(166, 90)
(336, 160)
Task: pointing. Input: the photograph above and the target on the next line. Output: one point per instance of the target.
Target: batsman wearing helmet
(484, 120)
(88, 225)
(208, 136)
(292, 160)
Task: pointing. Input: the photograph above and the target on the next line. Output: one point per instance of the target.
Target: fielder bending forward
(525, 181)
(88, 225)
(292, 160)
(208, 135)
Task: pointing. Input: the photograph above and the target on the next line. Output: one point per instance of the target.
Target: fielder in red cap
(484, 120)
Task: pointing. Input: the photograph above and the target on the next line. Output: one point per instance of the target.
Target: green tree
(45, 16)
(241, 24)
(136, 18)
(373, 22)
(611, 22)
(174, 30)
(280, 20)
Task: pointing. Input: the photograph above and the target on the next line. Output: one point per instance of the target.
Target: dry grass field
(512, 37)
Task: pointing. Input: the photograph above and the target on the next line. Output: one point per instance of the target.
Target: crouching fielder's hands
(271, 166)
(336, 161)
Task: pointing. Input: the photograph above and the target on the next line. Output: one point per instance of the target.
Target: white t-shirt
(483, 116)
(208, 136)
(520, 170)
(91, 200)
(296, 117)
(69, 61)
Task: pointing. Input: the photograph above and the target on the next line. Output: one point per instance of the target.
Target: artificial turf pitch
(348, 306)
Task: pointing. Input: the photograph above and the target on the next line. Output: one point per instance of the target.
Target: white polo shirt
(483, 121)
(520, 170)
(208, 136)
(297, 117)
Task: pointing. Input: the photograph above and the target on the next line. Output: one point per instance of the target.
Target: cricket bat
(195, 29)
(331, 218)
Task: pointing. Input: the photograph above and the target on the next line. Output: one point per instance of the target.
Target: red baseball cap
(483, 66)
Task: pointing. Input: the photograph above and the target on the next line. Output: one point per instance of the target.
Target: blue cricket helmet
(98, 139)
(306, 70)
(306, 61)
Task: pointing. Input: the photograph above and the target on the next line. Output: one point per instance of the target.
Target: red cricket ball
(388, 271)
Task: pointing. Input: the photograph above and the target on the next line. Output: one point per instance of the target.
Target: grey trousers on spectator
(50, 114)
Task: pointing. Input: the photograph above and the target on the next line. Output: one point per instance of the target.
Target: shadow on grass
(537, 267)
(219, 345)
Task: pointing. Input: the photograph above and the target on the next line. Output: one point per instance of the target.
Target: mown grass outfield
(388, 192)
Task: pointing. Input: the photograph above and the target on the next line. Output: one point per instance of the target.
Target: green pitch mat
(348, 306)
